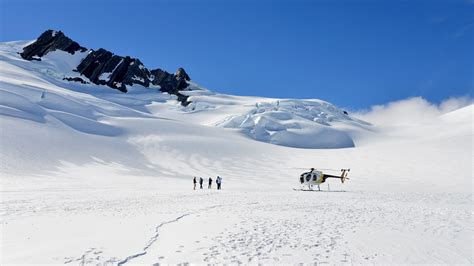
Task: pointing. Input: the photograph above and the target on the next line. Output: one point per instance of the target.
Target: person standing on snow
(210, 183)
(194, 181)
(200, 181)
(218, 182)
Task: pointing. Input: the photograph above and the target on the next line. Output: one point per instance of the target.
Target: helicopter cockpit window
(308, 178)
(315, 177)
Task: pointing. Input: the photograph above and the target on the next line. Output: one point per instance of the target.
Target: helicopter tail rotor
(344, 174)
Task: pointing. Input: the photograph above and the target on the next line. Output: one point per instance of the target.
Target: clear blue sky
(351, 53)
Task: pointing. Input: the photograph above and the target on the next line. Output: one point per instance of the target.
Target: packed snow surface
(90, 175)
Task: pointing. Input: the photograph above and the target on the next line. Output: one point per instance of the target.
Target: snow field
(93, 176)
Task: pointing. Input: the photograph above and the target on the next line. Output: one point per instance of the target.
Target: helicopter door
(315, 178)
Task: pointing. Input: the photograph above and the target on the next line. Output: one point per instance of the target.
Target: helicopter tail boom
(343, 176)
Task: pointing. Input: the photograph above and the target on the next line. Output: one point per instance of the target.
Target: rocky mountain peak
(49, 41)
(181, 74)
(102, 67)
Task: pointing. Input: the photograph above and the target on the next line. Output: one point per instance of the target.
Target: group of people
(209, 186)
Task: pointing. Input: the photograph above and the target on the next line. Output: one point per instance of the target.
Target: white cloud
(415, 110)
(454, 103)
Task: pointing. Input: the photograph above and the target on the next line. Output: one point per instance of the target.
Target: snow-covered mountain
(98, 153)
(125, 83)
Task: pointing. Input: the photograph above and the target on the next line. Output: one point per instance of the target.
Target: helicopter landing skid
(305, 189)
(312, 190)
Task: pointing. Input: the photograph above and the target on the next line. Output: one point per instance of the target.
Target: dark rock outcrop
(49, 41)
(76, 79)
(102, 67)
(171, 83)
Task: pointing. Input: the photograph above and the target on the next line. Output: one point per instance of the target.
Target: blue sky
(351, 53)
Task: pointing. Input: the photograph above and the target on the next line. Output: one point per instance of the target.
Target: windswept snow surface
(90, 175)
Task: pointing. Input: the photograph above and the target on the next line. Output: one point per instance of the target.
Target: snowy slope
(92, 175)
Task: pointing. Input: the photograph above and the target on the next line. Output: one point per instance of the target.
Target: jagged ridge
(102, 67)
(49, 41)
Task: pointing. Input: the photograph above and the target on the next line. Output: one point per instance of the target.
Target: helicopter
(317, 177)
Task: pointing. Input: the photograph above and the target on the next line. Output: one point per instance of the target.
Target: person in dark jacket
(218, 182)
(194, 181)
(200, 181)
(210, 183)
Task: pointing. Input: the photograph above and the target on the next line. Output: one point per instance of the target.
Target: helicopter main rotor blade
(306, 168)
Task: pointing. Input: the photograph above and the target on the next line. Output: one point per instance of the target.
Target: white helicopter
(317, 177)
